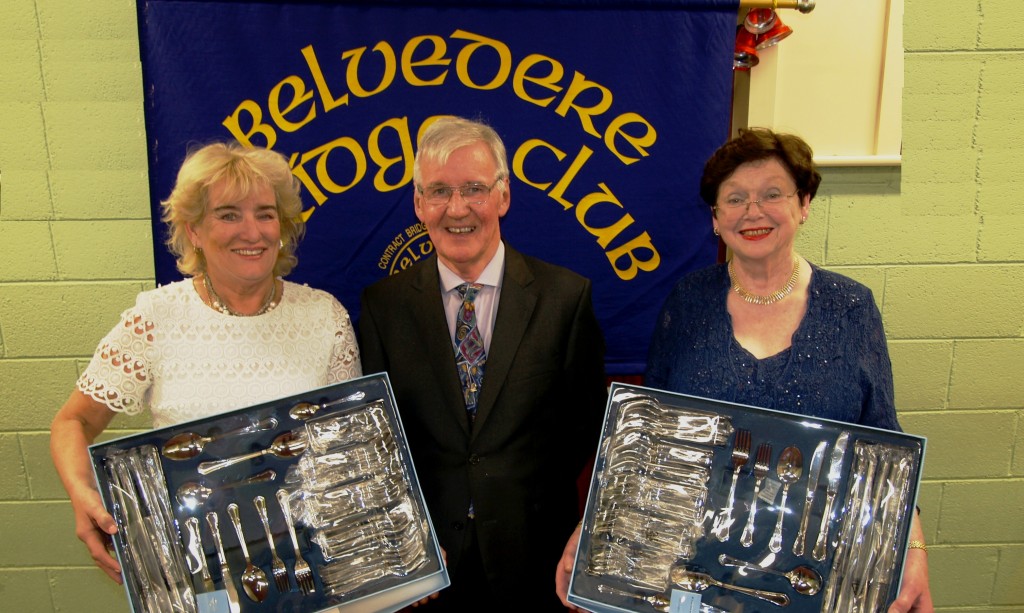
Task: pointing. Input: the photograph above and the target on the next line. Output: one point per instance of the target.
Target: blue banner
(608, 111)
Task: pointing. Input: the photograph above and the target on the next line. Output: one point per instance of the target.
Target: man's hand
(564, 570)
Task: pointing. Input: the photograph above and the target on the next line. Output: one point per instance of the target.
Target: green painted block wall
(937, 240)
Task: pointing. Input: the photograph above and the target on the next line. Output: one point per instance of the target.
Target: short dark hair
(754, 144)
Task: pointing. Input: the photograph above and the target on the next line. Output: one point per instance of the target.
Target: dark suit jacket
(538, 418)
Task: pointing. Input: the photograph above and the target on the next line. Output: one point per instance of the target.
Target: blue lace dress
(837, 367)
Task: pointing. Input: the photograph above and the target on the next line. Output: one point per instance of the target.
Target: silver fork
(280, 571)
(740, 455)
(303, 573)
(762, 465)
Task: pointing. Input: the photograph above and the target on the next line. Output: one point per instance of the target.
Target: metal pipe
(804, 6)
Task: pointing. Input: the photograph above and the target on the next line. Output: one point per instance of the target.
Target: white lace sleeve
(119, 373)
(345, 363)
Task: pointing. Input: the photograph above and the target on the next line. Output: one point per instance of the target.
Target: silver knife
(835, 475)
(234, 606)
(812, 484)
(195, 557)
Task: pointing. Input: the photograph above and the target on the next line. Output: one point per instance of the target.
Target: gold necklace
(220, 305)
(771, 298)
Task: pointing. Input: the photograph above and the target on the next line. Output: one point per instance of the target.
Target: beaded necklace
(217, 303)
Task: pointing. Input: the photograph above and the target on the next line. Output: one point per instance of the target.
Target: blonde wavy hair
(240, 171)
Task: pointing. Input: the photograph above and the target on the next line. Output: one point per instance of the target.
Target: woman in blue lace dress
(769, 328)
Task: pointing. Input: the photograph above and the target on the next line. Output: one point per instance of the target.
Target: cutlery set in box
(307, 503)
(701, 505)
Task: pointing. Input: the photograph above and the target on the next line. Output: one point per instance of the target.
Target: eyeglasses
(472, 193)
(770, 200)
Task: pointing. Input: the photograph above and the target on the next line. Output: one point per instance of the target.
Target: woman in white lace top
(232, 334)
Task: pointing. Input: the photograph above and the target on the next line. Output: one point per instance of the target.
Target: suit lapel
(436, 344)
(515, 308)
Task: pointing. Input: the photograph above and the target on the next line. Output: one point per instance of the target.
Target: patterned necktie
(470, 355)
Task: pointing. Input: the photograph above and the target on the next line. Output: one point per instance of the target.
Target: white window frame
(837, 81)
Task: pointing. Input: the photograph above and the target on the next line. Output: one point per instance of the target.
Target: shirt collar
(491, 276)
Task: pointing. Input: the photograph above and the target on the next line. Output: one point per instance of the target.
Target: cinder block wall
(938, 241)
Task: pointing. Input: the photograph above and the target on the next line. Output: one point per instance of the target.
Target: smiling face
(239, 236)
(760, 231)
(466, 236)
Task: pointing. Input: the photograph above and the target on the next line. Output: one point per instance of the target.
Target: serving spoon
(789, 469)
(286, 445)
(188, 445)
(693, 581)
(805, 580)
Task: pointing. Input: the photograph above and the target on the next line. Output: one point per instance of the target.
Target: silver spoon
(188, 445)
(305, 410)
(285, 445)
(805, 580)
(789, 469)
(193, 494)
(254, 580)
(693, 581)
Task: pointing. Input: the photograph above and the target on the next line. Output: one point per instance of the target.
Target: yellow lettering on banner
(323, 175)
(615, 128)
(520, 157)
(415, 253)
(321, 183)
(436, 58)
(307, 181)
(548, 81)
(536, 79)
(326, 97)
(301, 95)
(300, 173)
(415, 229)
(559, 190)
(462, 61)
(352, 73)
(425, 61)
(579, 85)
(640, 243)
(401, 127)
(234, 125)
(605, 235)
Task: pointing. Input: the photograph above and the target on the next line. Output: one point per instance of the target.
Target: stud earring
(715, 230)
(803, 220)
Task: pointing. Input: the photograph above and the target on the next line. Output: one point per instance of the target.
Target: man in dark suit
(498, 461)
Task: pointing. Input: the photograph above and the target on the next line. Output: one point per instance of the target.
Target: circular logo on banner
(405, 249)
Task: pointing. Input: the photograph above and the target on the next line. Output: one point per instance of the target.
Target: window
(837, 81)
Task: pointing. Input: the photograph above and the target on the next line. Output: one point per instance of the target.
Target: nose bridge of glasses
(766, 201)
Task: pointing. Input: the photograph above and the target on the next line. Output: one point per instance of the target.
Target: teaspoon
(286, 445)
(791, 466)
(305, 410)
(805, 580)
(693, 581)
(188, 445)
(254, 579)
